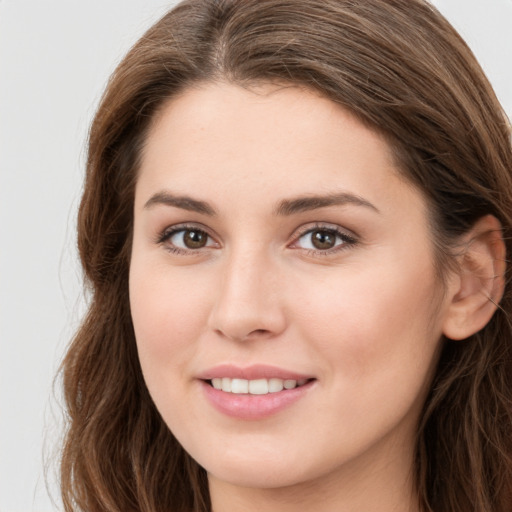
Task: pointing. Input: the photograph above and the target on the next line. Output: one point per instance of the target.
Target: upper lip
(252, 372)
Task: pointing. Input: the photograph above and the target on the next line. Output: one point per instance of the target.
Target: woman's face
(276, 246)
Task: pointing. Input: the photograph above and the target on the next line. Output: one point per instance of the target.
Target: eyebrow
(183, 202)
(284, 208)
(306, 203)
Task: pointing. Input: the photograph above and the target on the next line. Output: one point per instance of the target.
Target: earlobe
(480, 280)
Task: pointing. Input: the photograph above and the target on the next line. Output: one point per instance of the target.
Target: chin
(259, 476)
(270, 469)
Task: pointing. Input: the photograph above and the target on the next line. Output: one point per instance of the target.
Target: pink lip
(252, 407)
(257, 371)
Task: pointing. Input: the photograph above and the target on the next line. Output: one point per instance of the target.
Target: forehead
(220, 140)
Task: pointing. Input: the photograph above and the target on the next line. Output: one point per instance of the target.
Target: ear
(479, 282)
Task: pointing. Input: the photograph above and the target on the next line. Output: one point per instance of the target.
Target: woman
(294, 226)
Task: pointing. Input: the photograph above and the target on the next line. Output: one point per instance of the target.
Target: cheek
(372, 334)
(168, 315)
(371, 322)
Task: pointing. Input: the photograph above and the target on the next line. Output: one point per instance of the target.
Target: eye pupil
(194, 239)
(323, 239)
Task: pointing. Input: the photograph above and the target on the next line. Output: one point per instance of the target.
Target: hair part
(400, 68)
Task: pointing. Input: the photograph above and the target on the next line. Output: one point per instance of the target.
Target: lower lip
(253, 407)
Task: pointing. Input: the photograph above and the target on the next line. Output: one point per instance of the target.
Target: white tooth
(301, 382)
(275, 385)
(258, 387)
(226, 384)
(217, 383)
(239, 386)
(290, 384)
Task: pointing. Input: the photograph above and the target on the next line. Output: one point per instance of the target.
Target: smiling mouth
(256, 386)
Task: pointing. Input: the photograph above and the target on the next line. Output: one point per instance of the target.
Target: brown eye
(194, 239)
(188, 239)
(323, 239)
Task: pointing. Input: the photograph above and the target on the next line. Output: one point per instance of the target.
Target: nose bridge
(248, 301)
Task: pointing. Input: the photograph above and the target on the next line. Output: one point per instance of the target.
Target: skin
(364, 318)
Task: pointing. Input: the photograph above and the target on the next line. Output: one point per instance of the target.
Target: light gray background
(55, 57)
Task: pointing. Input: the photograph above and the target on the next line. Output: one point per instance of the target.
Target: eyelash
(347, 240)
(169, 232)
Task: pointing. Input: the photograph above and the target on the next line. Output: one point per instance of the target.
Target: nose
(249, 301)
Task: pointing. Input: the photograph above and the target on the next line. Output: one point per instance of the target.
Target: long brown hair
(401, 69)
